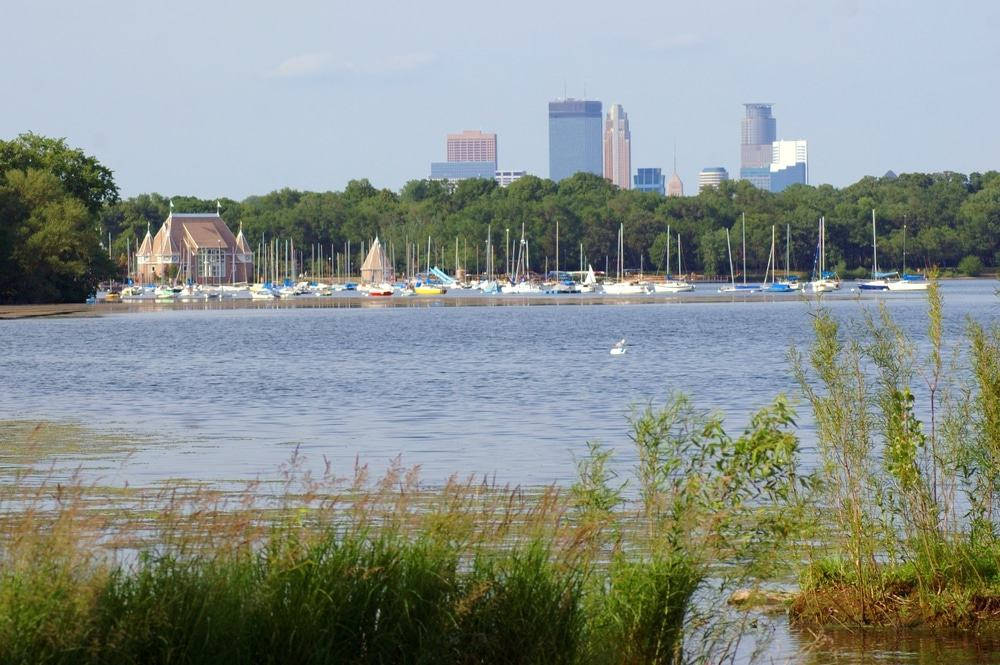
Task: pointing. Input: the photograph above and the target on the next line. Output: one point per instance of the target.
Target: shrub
(971, 266)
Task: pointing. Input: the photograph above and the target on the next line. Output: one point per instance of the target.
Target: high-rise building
(758, 131)
(789, 164)
(674, 186)
(471, 154)
(472, 146)
(711, 176)
(574, 138)
(650, 180)
(617, 147)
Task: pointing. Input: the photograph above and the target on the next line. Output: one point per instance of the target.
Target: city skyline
(312, 95)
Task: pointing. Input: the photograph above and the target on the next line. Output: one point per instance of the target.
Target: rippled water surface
(513, 391)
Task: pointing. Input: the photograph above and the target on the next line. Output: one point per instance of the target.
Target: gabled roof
(146, 248)
(163, 242)
(203, 233)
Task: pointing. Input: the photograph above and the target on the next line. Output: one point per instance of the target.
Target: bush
(971, 266)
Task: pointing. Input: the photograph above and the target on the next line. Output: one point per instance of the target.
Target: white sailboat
(907, 282)
(733, 286)
(620, 287)
(823, 280)
(879, 280)
(589, 283)
(673, 285)
(520, 284)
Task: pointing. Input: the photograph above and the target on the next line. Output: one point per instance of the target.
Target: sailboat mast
(874, 247)
(557, 248)
(904, 249)
(788, 242)
(822, 246)
(744, 248)
(668, 249)
(729, 248)
(679, 255)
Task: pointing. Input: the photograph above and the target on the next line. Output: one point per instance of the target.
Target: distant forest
(948, 216)
(58, 207)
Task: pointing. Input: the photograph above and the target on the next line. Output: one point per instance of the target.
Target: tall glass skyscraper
(758, 130)
(575, 138)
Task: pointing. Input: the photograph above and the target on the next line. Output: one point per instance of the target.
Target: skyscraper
(617, 147)
(471, 154)
(758, 130)
(650, 180)
(472, 146)
(711, 176)
(789, 164)
(574, 138)
(674, 186)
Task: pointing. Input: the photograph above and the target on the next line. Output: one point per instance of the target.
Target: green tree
(81, 176)
(55, 254)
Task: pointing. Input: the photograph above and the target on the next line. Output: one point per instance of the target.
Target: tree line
(58, 207)
(947, 217)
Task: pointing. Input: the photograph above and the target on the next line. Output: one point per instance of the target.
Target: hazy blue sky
(243, 97)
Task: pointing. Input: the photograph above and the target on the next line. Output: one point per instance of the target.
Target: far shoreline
(352, 300)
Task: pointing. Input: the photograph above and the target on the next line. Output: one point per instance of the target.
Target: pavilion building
(195, 248)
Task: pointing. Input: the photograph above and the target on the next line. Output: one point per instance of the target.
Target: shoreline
(354, 300)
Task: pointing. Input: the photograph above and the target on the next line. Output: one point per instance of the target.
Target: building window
(211, 262)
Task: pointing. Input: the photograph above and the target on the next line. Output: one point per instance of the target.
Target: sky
(237, 98)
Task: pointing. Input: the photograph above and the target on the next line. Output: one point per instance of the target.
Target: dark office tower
(575, 142)
(757, 134)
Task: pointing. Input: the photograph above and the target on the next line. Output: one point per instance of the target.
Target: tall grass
(329, 570)
(909, 438)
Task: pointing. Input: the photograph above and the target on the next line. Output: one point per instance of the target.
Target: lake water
(515, 391)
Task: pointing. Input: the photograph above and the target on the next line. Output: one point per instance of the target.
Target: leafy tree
(81, 176)
(55, 254)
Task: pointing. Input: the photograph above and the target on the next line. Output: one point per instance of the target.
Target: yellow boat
(113, 297)
(428, 290)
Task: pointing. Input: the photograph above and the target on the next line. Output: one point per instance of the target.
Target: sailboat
(790, 280)
(733, 286)
(589, 283)
(879, 280)
(907, 282)
(520, 284)
(673, 285)
(823, 280)
(620, 287)
(772, 265)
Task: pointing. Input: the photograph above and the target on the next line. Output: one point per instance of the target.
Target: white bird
(618, 348)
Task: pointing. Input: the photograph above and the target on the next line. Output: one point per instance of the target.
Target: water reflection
(877, 647)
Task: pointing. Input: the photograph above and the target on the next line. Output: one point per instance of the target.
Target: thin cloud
(314, 65)
(302, 66)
